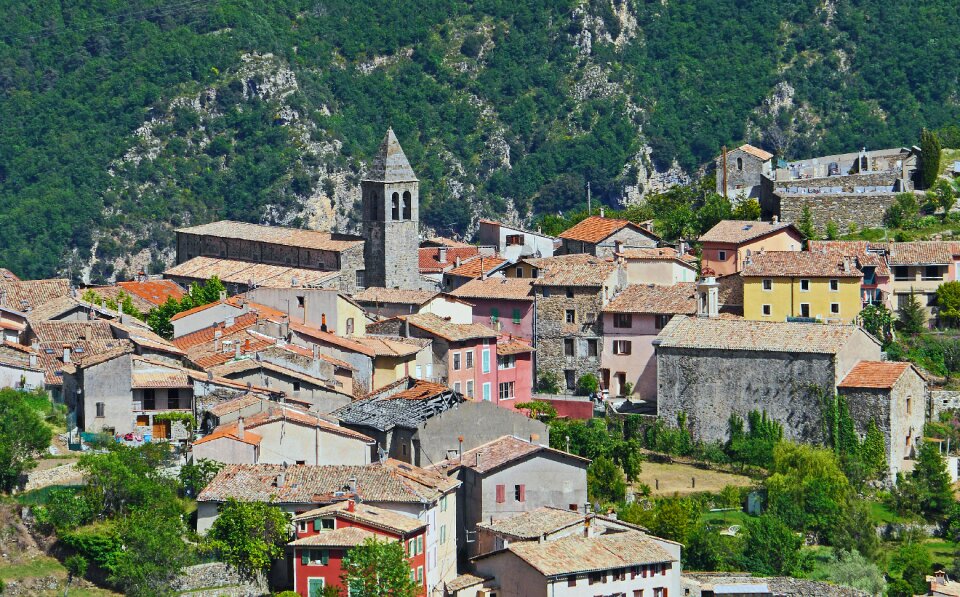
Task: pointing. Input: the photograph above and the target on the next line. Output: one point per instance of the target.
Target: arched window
(396, 206)
(739, 163)
(406, 205)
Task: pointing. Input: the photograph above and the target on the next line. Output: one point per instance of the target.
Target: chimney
(618, 246)
(236, 351)
(477, 462)
(240, 428)
(708, 295)
(457, 262)
(406, 327)
(352, 484)
(682, 247)
(601, 212)
(294, 282)
(351, 505)
(66, 353)
(774, 220)
(223, 296)
(33, 360)
(442, 254)
(88, 333)
(209, 376)
(323, 322)
(246, 345)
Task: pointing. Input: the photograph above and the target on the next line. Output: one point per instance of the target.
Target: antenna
(589, 210)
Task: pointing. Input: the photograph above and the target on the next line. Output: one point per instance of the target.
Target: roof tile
(650, 298)
(874, 374)
(742, 334)
(800, 263)
(741, 231)
(595, 229)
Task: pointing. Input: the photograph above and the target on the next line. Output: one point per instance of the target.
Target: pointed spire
(390, 163)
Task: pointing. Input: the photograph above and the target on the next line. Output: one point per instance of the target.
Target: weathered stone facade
(625, 238)
(553, 331)
(351, 261)
(745, 173)
(943, 400)
(695, 583)
(859, 209)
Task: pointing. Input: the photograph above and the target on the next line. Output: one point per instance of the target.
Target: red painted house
(504, 304)
(514, 372)
(325, 535)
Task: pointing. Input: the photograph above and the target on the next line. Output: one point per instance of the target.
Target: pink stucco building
(726, 246)
(505, 304)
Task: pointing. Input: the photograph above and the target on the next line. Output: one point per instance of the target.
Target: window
(519, 272)
(662, 321)
(470, 388)
(456, 361)
(501, 494)
(506, 390)
(149, 400)
(767, 310)
(569, 292)
(407, 205)
(545, 292)
(323, 524)
(517, 316)
(520, 493)
(834, 285)
(767, 284)
(469, 359)
(622, 346)
(592, 348)
(419, 574)
(456, 387)
(349, 329)
(804, 309)
(443, 534)
(314, 557)
(173, 398)
(804, 285)
(932, 272)
(420, 544)
(568, 347)
(507, 361)
(835, 308)
(486, 391)
(572, 580)
(514, 239)
(908, 405)
(722, 255)
(101, 408)
(315, 586)
(571, 316)
(622, 320)
(494, 315)
(739, 163)
(598, 577)
(620, 574)
(901, 272)
(296, 386)
(395, 201)
(361, 281)
(638, 593)
(443, 504)
(570, 378)
(300, 302)
(485, 360)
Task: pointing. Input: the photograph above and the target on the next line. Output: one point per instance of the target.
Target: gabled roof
(71, 331)
(658, 254)
(875, 374)
(233, 271)
(342, 537)
(578, 269)
(366, 514)
(154, 291)
(452, 332)
(231, 431)
(756, 152)
(234, 405)
(742, 334)
(501, 452)
(373, 294)
(17, 355)
(278, 235)
(512, 289)
(793, 264)
(595, 229)
(741, 231)
(679, 298)
(508, 346)
(20, 294)
(477, 266)
(534, 523)
(390, 164)
(429, 258)
(866, 253)
(198, 337)
(370, 346)
(277, 413)
(388, 481)
(924, 252)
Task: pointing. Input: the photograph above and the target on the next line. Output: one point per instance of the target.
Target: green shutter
(494, 314)
(516, 316)
(317, 524)
(325, 557)
(304, 557)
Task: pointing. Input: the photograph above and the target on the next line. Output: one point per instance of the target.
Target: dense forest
(123, 120)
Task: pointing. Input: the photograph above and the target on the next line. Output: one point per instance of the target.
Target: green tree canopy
(378, 569)
(771, 548)
(23, 434)
(930, 149)
(911, 318)
(948, 299)
(605, 481)
(249, 536)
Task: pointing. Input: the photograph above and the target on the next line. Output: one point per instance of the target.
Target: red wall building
(514, 372)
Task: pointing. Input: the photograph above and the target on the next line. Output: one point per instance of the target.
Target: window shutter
(420, 544)
(325, 557)
(516, 316)
(317, 525)
(305, 557)
(501, 493)
(523, 493)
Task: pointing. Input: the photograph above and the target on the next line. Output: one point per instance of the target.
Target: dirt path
(684, 479)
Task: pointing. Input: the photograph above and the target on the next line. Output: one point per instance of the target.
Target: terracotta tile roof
(365, 345)
(394, 295)
(445, 242)
(792, 264)
(306, 352)
(57, 307)
(19, 294)
(595, 229)
(71, 331)
(922, 252)
(113, 293)
(239, 302)
(231, 431)
(279, 413)
(740, 231)
(477, 266)
(742, 334)
(208, 355)
(429, 258)
(388, 481)
(17, 355)
(571, 270)
(535, 523)
(207, 334)
(499, 452)
(232, 406)
(756, 152)
(160, 380)
(874, 374)
(421, 390)
(865, 253)
(507, 346)
(342, 537)
(730, 292)
(277, 235)
(513, 289)
(465, 581)
(452, 332)
(8, 275)
(154, 291)
(650, 298)
(367, 514)
(578, 554)
(657, 254)
(512, 227)
(232, 271)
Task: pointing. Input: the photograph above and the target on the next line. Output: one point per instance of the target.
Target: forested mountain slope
(123, 119)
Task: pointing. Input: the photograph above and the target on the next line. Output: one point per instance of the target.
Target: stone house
(509, 476)
(713, 367)
(663, 266)
(780, 285)
(475, 268)
(920, 268)
(876, 287)
(389, 302)
(401, 488)
(284, 435)
(893, 395)
(726, 247)
(422, 422)
(624, 563)
(570, 292)
(631, 322)
(320, 389)
(515, 243)
(603, 237)
(504, 304)
(746, 168)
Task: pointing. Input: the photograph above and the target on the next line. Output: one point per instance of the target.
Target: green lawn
(32, 568)
(881, 514)
(40, 496)
(727, 518)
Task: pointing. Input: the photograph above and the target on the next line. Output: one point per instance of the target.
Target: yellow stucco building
(782, 284)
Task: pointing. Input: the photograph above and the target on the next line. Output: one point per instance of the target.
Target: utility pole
(589, 210)
(724, 150)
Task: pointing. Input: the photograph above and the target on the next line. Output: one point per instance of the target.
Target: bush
(76, 565)
(588, 385)
(548, 383)
(472, 45)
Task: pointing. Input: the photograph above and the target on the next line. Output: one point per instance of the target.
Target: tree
(249, 536)
(748, 209)
(378, 569)
(912, 563)
(805, 223)
(605, 481)
(159, 317)
(588, 385)
(926, 490)
(852, 569)
(153, 553)
(538, 409)
(878, 320)
(942, 195)
(548, 382)
(675, 518)
(929, 158)
(771, 548)
(832, 232)
(807, 489)
(904, 212)
(715, 208)
(948, 299)
(22, 435)
(194, 477)
(911, 318)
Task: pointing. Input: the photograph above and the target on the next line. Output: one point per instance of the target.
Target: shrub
(588, 385)
(548, 383)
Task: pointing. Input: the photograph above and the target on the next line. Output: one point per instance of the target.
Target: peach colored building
(659, 265)
(727, 245)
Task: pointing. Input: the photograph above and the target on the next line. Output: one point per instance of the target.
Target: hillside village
(448, 396)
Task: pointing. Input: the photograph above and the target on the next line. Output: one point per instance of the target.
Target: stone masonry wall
(351, 260)
(860, 209)
(710, 385)
(848, 182)
(748, 179)
(780, 586)
(941, 400)
(552, 329)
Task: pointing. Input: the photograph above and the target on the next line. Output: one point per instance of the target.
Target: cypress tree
(929, 158)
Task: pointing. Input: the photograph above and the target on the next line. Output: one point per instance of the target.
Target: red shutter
(501, 493)
(523, 493)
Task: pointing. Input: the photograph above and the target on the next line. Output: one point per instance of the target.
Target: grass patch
(881, 515)
(947, 157)
(33, 568)
(685, 479)
(726, 519)
(941, 552)
(38, 497)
